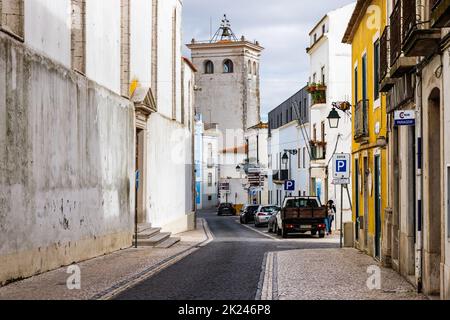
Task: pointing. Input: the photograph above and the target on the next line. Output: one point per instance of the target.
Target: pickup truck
(302, 215)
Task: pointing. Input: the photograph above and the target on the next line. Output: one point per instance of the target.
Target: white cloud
(281, 27)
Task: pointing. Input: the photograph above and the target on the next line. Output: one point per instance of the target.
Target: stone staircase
(153, 237)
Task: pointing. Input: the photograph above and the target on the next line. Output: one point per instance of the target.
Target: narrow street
(229, 268)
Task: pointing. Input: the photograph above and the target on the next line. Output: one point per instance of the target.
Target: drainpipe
(419, 181)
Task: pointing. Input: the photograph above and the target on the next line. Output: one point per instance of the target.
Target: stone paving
(334, 274)
(104, 275)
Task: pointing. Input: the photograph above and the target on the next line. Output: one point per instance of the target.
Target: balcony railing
(419, 39)
(281, 175)
(362, 120)
(384, 54)
(396, 33)
(440, 14)
(410, 18)
(318, 93)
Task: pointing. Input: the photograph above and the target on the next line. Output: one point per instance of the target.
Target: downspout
(419, 182)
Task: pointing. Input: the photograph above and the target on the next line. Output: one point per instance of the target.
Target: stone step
(155, 240)
(143, 227)
(147, 234)
(166, 244)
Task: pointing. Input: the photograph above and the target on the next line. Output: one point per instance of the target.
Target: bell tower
(228, 79)
(228, 97)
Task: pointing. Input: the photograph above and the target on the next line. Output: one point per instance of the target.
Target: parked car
(263, 215)
(248, 213)
(226, 209)
(273, 222)
(301, 215)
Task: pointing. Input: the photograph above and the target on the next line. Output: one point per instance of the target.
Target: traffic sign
(405, 118)
(341, 166)
(289, 185)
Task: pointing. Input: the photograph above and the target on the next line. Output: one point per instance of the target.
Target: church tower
(228, 78)
(228, 98)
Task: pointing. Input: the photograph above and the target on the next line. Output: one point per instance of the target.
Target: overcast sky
(280, 26)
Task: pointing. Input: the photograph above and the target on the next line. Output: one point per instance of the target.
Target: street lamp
(333, 119)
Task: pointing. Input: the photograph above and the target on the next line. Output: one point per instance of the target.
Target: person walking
(331, 216)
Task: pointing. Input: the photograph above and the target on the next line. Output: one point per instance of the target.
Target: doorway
(357, 194)
(433, 223)
(378, 206)
(366, 201)
(140, 176)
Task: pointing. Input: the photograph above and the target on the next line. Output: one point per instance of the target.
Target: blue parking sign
(341, 166)
(289, 185)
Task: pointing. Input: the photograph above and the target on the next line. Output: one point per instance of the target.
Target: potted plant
(312, 87)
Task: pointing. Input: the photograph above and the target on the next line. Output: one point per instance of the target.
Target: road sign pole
(342, 216)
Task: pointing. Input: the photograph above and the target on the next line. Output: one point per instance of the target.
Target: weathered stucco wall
(169, 179)
(66, 165)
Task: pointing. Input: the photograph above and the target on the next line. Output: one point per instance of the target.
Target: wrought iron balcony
(419, 39)
(280, 176)
(386, 83)
(361, 121)
(440, 13)
(399, 63)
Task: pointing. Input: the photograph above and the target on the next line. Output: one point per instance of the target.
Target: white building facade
(330, 81)
(110, 81)
(289, 127)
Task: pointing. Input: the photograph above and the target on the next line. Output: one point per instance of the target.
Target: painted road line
(260, 232)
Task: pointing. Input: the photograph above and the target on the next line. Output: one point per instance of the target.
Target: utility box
(348, 235)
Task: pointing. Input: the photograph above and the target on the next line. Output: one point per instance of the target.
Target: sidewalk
(103, 277)
(329, 274)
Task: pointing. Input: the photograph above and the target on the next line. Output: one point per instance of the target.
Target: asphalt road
(228, 268)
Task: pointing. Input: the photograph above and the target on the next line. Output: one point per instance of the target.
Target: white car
(264, 213)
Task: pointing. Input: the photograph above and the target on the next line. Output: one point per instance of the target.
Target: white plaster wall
(169, 179)
(61, 195)
(141, 42)
(210, 139)
(103, 30)
(165, 66)
(48, 28)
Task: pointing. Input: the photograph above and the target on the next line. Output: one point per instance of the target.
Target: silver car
(264, 213)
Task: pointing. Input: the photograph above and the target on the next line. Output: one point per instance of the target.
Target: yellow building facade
(369, 147)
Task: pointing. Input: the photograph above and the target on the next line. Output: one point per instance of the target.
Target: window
(315, 37)
(228, 66)
(249, 67)
(364, 77)
(299, 158)
(255, 69)
(209, 67)
(210, 179)
(323, 29)
(304, 157)
(356, 86)
(12, 16)
(314, 77)
(376, 69)
(315, 132)
(323, 131)
(322, 73)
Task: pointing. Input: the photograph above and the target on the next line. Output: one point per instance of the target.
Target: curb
(126, 284)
